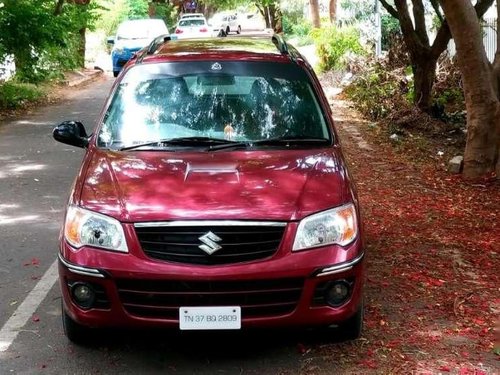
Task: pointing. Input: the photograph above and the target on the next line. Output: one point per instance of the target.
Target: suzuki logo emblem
(210, 244)
(216, 66)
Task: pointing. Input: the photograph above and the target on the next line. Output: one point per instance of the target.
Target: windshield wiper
(279, 141)
(184, 141)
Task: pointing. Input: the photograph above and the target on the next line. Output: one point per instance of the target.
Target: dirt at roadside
(433, 244)
(56, 92)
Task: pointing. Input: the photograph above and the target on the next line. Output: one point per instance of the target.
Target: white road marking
(25, 310)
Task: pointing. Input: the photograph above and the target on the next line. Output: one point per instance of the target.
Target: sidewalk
(76, 78)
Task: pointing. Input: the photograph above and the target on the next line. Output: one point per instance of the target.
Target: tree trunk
(59, 7)
(314, 9)
(424, 73)
(264, 11)
(414, 31)
(82, 47)
(483, 107)
(332, 9)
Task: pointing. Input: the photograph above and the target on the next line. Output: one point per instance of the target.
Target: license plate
(217, 317)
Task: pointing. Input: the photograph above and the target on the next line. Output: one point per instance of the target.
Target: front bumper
(284, 290)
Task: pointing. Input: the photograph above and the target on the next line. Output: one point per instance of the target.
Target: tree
(269, 9)
(480, 79)
(314, 9)
(423, 55)
(83, 17)
(41, 41)
(332, 11)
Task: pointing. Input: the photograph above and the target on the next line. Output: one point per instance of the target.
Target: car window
(191, 22)
(254, 100)
(141, 29)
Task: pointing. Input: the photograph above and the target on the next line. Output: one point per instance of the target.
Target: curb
(83, 77)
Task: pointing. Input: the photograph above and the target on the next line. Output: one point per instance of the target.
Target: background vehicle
(224, 23)
(131, 36)
(192, 15)
(192, 28)
(213, 194)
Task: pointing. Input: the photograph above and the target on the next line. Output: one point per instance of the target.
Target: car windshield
(231, 101)
(141, 29)
(191, 22)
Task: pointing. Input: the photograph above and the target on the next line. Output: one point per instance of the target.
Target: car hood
(272, 185)
(132, 44)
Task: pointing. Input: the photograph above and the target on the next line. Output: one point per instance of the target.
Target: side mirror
(111, 40)
(71, 133)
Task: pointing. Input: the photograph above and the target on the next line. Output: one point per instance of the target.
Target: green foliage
(113, 12)
(390, 28)
(110, 15)
(14, 95)
(137, 9)
(167, 12)
(302, 28)
(43, 44)
(449, 95)
(332, 45)
(293, 14)
(376, 92)
(359, 10)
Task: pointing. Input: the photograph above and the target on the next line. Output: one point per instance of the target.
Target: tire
(74, 331)
(222, 33)
(115, 73)
(228, 30)
(352, 328)
(239, 30)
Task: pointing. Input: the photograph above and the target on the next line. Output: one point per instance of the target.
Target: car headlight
(335, 226)
(87, 228)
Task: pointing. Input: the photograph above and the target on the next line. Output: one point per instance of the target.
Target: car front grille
(162, 299)
(184, 244)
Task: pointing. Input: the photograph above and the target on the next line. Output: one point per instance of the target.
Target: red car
(213, 195)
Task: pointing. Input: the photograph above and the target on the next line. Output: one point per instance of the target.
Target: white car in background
(224, 23)
(192, 28)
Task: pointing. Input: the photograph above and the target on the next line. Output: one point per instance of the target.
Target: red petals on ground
(433, 245)
(33, 262)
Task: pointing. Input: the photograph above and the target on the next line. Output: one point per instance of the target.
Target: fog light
(337, 292)
(83, 295)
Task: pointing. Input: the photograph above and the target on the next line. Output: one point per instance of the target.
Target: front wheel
(74, 331)
(115, 73)
(239, 30)
(351, 328)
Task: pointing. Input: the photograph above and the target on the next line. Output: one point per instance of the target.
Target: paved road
(35, 176)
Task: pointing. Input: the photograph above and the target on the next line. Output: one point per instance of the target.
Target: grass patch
(14, 95)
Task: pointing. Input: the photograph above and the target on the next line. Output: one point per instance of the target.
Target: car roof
(193, 15)
(244, 48)
(142, 21)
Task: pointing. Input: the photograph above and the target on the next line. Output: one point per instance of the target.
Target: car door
(233, 24)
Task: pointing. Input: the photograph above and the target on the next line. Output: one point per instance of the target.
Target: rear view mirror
(71, 133)
(111, 40)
